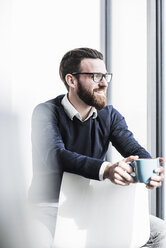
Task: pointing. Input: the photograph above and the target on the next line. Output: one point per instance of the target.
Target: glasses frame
(93, 74)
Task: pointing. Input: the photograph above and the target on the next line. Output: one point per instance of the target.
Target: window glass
(129, 65)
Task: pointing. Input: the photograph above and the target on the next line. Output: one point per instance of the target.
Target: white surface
(94, 214)
(129, 66)
(34, 35)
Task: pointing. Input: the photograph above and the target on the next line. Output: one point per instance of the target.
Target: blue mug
(144, 169)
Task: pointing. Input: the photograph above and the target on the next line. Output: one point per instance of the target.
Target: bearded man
(72, 133)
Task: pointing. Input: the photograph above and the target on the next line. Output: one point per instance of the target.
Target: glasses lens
(108, 77)
(97, 77)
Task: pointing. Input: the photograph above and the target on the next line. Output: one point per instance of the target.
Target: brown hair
(72, 59)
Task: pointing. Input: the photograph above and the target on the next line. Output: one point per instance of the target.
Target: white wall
(37, 34)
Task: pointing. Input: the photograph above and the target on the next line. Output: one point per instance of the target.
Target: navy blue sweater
(61, 144)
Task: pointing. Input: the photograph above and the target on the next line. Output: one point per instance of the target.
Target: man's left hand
(156, 180)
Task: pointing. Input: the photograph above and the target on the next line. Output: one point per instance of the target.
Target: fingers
(124, 163)
(130, 159)
(156, 180)
(153, 184)
(159, 170)
(119, 173)
(123, 171)
(122, 183)
(125, 166)
(161, 160)
(150, 187)
(118, 179)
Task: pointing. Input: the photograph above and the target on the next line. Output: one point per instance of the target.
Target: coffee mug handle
(133, 174)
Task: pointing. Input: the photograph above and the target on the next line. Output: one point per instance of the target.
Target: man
(72, 133)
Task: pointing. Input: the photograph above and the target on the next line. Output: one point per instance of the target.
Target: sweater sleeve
(122, 138)
(49, 152)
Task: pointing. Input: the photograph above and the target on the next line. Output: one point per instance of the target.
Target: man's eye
(98, 76)
(92, 76)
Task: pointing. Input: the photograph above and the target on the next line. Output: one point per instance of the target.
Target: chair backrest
(100, 214)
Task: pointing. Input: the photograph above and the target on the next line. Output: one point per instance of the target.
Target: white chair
(94, 214)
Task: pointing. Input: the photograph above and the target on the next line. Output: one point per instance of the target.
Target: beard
(97, 101)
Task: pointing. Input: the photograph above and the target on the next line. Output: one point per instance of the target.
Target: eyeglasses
(96, 76)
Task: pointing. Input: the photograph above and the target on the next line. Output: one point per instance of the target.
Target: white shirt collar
(71, 111)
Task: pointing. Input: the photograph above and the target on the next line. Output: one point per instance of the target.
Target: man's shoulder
(109, 113)
(107, 110)
(55, 101)
(49, 106)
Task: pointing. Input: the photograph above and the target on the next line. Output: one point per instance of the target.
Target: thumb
(131, 158)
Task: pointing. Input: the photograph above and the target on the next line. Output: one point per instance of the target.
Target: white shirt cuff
(102, 169)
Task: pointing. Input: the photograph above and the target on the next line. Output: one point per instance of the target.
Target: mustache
(101, 88)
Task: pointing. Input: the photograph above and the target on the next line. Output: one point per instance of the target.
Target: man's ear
(71, 81)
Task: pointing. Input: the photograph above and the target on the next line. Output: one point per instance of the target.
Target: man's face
(91, 93)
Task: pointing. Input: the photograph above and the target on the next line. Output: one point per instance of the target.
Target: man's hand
(156, 180)
(119, 173)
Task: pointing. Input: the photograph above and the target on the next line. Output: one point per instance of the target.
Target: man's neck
(79, 105)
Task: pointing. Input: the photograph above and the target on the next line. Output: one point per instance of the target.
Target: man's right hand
(119, 173)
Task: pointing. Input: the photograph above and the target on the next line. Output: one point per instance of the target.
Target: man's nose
(103, 82)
